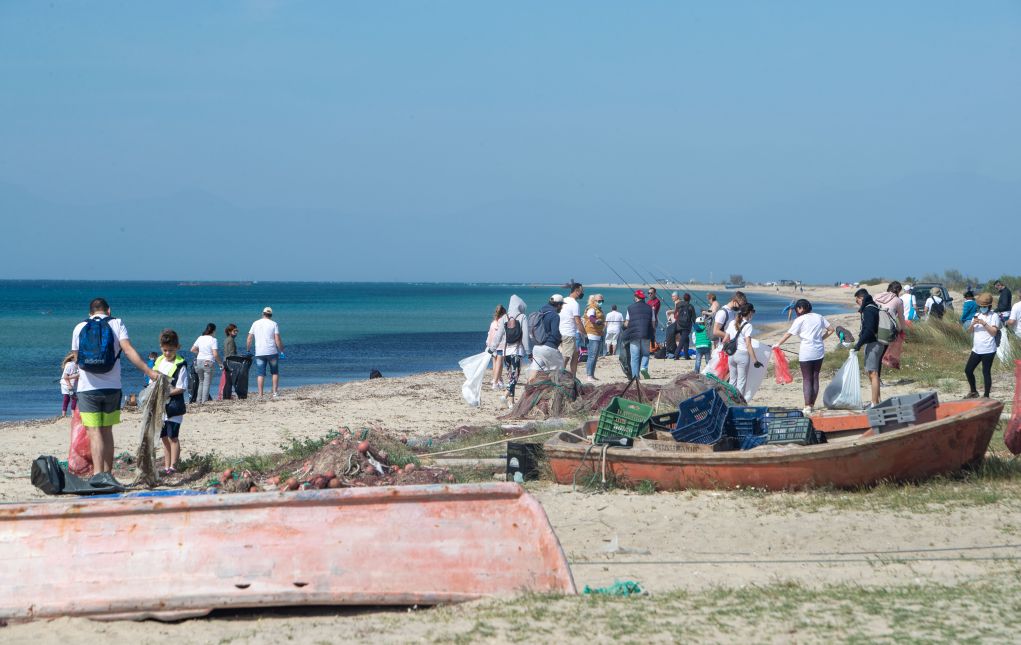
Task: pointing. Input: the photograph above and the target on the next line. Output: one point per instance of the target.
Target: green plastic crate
(623, 418)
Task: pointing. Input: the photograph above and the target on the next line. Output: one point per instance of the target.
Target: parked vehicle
(923, 290)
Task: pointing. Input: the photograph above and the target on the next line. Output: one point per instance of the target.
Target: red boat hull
(959, 436)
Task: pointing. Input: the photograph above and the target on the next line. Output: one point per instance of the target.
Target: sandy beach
(669, 542)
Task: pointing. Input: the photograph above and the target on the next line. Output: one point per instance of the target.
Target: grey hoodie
(515, 309)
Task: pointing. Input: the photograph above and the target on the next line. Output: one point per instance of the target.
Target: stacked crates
(900, 411)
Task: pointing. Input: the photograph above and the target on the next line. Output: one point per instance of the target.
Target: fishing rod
(615, 273)
(640, 276)
(701, 301)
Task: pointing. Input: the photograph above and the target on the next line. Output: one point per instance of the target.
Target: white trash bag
(474, 368)
(845, 390)
(1003, 352)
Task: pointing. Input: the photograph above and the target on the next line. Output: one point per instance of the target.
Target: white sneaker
(807, 411)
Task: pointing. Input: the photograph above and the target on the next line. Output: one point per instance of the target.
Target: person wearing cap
(572, 329)
(546, 356)
(984, 328)
(265, 333)
(908, 303)
(641, 331)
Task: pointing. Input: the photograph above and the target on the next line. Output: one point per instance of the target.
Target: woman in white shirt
(812, 329)
(743, 359)
(207, 354)
(984, 327)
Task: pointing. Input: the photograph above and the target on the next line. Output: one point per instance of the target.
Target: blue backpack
(96, 345)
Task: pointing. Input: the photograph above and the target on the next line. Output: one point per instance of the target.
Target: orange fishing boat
(852, 456)
(182, 556)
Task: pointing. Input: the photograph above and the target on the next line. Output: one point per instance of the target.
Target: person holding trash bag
(512, 337)
(984, 328)
(869, 339)
(743, 357)
(813, 330)
(545, 334)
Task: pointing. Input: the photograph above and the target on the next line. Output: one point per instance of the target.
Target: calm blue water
(332, 331)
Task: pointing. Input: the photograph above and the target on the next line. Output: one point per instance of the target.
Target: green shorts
(100, 408)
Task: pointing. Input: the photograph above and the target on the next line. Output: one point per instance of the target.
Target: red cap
(639, 294)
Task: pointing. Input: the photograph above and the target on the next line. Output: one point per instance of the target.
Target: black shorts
(170, 429)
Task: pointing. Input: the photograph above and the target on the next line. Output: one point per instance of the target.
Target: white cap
(268, 310)
(556, 297)
(907, 287)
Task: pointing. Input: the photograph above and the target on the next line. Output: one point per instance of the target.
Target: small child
(176, 369)
(69, 382)
(703, 346)
(151, 363)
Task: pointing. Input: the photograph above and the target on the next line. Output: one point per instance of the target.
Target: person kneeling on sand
(546, 356)
(176, 370)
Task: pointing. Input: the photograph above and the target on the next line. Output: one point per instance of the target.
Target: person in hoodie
(969, 309)
(892, 301)
(515, 343)
(547, 356)
(868, 338)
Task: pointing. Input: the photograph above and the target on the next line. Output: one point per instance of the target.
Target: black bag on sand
(193, 383)
(47, 475)
(239, 367)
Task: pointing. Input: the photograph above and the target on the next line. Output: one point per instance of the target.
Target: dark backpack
(537, 328)
(47, 475)
(96, 346)
(512, 329)
(937, 309)
(730, 347)
(683, 320)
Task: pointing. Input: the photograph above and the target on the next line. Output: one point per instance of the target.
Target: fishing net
(544, 398)
(1012, 436)
(154, 402)
(783, 368)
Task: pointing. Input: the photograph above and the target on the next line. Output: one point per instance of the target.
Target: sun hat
(555, 298)
(639, 294)
(984, 299)
(268, 310)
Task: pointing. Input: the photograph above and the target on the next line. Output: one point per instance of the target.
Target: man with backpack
(100, 340)
(934, 307)
(869, 339)
(684, 317)
(544, 332)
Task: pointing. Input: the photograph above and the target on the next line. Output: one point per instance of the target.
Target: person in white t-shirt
(1014, 319)
(984, 327)
(813, 330)
(614, 323)
(207, 354)
(744, 358)
(99, 387)
(572, 328)
(930, 302)
(69, 383)
(265, 333)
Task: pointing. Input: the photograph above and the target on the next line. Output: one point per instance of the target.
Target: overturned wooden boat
(852, 457)
(183, 556)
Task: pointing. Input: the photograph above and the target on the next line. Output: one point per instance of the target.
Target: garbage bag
(844, 392)
(79, 458)
(891, 357)
(783, 368)
(1005, 352)
(474, 368)
(1012, 436)
(719, 365)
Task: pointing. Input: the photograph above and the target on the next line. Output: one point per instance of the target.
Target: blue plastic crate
(743, 421)
(701, 419)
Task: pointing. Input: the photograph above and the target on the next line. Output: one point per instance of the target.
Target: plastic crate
(900, 411)
(663, 422)
(622, 418)
(782, 413)
(701, 419)
(743, 421)
(790, 430)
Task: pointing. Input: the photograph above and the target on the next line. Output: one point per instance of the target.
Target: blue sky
(516, 141)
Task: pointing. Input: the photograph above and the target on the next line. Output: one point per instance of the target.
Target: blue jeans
(594, 348)
(261, 362)
(639, 355)
(701, 352)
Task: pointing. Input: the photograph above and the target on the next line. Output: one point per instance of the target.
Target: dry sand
(666, 541)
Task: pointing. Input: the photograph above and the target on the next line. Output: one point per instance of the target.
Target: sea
(332, 331)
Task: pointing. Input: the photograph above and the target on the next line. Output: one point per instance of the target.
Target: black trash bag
(375, 374)
(239, 367)
(193, 383)
(47, 475)
(51, 478)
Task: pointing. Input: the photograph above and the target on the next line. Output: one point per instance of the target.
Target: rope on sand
(492, 443)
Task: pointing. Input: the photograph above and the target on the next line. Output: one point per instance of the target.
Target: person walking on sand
(725, 315)
(595, 329)
(513, 339)
(813, 330)
(572, 328)
(614, 323)
(684, 317)
(891, 302)
(744, 357)
(703, 345)
(99, 342)
(984, 328)
(869, 339)
(545, 355)
(265, 333)
(641, 332)
(174, 366)
(69, 383)
(207, 354)
(907, 299)
(492, 346)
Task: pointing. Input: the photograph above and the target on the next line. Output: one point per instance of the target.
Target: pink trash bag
(893, 352)
(79, 459)
(723, 366)
(1012, 436)
(783, 368)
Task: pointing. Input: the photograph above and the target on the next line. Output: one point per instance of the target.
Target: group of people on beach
(91, 375)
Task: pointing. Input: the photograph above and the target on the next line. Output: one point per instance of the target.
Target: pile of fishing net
(559, 394)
